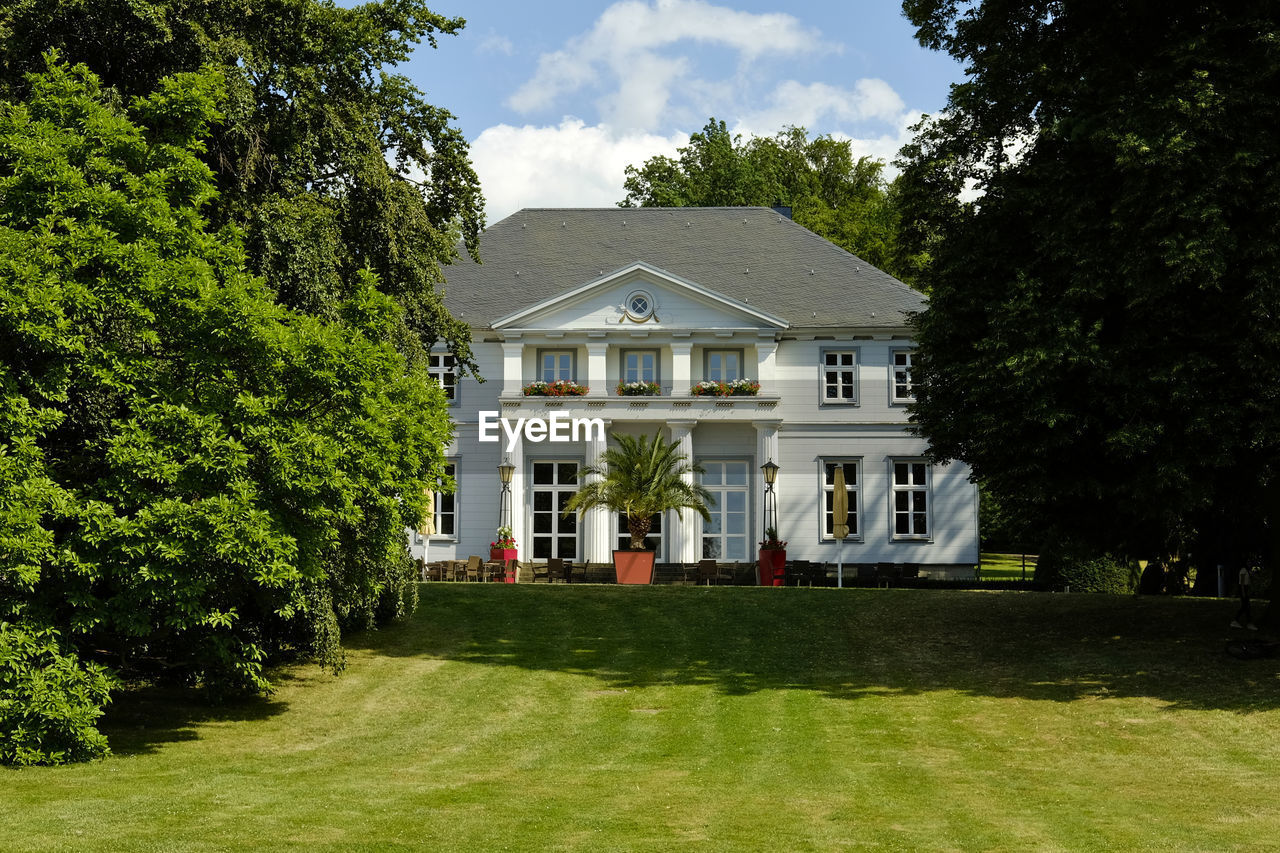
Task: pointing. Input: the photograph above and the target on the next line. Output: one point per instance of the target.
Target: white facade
(828, 395)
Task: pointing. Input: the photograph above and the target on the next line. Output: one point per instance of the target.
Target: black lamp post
(770, 471)
(505, 471)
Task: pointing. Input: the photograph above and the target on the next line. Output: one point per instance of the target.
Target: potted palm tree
(640, 478)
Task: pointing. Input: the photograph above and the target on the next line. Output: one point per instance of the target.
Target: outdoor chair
(540, 572)
(710, 572)
(575, 574)
(672, 573)
(456, 570)
(492, 570)
(556, 570)
(433, 571)
(473, 567)
(886, 574)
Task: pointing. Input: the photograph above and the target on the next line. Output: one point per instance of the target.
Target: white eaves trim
(609, 278)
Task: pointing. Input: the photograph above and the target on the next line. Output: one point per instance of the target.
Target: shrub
(1081, 571)
(49, 699)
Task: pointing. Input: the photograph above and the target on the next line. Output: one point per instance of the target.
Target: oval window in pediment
(639, 305)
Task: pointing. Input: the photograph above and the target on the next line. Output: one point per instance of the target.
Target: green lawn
(1006, 567)
(601, 718)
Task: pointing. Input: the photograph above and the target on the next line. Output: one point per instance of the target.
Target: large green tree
(1102, 343)
(192, 477)
(830, 193)
(328, 161)
(330, 165)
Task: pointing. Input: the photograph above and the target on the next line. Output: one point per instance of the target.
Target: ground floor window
(852, 469)
(446, 506)
(554, 534)
(442, 507)
(911, 499)
(724, 537)
(655, 541)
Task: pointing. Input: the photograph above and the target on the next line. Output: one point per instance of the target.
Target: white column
(766, 350)
(512, 367)
(596, 547)
(519, 501)
(680, 368)
(597, 368)
(766, 450)
(686, 539)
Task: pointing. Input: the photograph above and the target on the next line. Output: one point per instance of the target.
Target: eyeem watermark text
(558, 427)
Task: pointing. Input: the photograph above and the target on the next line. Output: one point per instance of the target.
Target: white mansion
(675, 297)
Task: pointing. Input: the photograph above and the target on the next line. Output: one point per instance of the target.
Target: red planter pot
(634, 566)
(504, 554)
(773, 564)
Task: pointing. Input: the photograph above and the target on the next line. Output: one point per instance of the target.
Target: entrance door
(724, 537)
(554, 535)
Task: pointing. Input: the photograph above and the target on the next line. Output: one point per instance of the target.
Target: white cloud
(494, 43)
(886, 145)
(575, 164)
(643, 69)
(623, 56)
(570, 165)
(805, 105)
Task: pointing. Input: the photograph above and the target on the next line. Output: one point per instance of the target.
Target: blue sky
(558, 97)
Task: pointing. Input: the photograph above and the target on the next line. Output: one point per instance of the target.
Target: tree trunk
(639, 528)
(1271, 494)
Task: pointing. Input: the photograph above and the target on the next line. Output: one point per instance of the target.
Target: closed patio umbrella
(840, 518)
(427, 528)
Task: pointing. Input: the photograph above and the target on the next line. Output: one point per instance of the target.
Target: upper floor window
(442, 367)
(723, 365)
(902, 388)
(555, 364)
(840, 376)
(639, 365)
(911, 499)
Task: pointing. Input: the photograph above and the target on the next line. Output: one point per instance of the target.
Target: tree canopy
(641, 478)
(328, 161)
(193, 478)
(1101, 343)
(845, 200)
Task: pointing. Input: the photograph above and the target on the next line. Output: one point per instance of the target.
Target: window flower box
(559, 388)
(638, 389)
(735, 388)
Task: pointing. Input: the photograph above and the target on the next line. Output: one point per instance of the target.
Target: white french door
(724, 537)
(554, 535)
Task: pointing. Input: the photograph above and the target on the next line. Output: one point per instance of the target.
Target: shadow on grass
(845, 643)
(141, 720)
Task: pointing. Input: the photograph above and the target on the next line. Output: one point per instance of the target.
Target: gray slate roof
(750, 254)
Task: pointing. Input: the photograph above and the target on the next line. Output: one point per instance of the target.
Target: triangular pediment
(640, 297)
